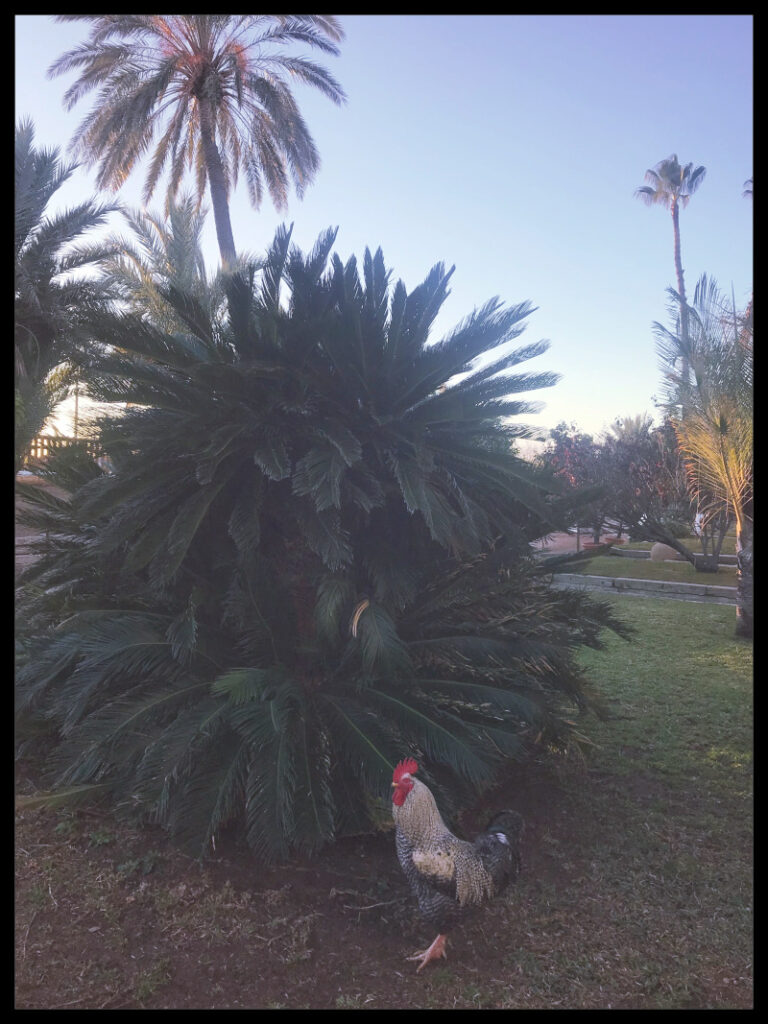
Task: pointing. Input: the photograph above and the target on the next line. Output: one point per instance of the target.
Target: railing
(43, 445)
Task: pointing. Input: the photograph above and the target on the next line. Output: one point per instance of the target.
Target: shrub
(311, 559)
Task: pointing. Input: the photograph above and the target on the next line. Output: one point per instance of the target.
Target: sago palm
(312, 557)
(210, 92)
(715, 432)
(49, 248)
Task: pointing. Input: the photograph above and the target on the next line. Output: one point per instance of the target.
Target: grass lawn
(636, 890)
(692, 542)
(671, 810)
(645, 569)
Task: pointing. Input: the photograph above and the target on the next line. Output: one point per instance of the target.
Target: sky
(509, 146)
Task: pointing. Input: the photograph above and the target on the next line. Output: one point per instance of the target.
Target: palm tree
(311, 557)
(628, 428)
(209, 90)
(163, 254)
(672, 185)
(716, 433)
(51, 297)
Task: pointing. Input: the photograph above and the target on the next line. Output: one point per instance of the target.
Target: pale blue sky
(510, 146)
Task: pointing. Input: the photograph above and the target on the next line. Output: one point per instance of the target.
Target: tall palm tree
(716, 432)
(312, 555)
(671, 185)
(49, 301)
(208, 88)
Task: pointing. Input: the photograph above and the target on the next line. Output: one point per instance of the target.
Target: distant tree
(671, 185)
(577, 459)
(628, 427)
(51, 294)
(570, 453)
(649, 491)
(212, 89)
(638, 472)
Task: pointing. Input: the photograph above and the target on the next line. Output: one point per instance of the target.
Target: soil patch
(113, 917)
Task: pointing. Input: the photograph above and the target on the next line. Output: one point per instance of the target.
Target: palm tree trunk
(744, 582)
(681, 290)
(218, 186)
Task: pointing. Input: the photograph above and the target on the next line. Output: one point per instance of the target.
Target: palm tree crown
(208, 93)
(669, 183)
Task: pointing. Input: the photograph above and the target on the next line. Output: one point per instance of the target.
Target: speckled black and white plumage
(447, 874)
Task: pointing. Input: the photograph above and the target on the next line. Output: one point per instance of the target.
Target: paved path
(557, 543)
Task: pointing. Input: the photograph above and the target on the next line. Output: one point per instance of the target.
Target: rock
(660, 552)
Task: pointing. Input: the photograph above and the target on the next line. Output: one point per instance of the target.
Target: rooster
(448, 874)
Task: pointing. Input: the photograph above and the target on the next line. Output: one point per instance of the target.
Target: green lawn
(669, 807)
(645, 569)
(692, 542)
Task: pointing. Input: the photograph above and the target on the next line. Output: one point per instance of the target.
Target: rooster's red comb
(408, 766)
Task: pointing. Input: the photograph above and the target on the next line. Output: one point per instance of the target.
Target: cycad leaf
(334, 597)
(183, 529)
(241, 685)
(271, 456)
(319, 474)
(380, 645)
(324, 535)
(445, 737)
(244, 524)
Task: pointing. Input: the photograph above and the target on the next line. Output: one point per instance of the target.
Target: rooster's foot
(435, 951)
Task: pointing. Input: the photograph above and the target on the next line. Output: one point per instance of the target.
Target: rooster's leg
(435, 951)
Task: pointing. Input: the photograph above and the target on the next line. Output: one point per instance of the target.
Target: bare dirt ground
(108, 917)
(113, 918)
